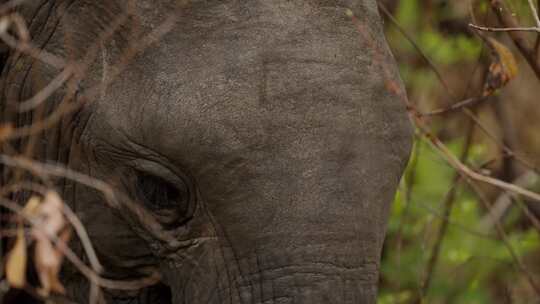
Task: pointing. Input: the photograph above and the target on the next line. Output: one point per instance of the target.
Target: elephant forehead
(295, 127)
(250, 84)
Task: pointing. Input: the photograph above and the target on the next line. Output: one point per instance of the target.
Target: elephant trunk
(307, 283)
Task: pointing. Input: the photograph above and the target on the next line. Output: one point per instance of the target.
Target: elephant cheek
(292, 288)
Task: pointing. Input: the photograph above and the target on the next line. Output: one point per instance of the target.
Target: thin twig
(457, 106)
(465, 170)
(448, 206)
(536, 49)
(504, 201)
(456, 224)
(408, 184)
(532, 217)
(46, 92)
(26, 46)
(416, 46)
(534, 13)
(505, 29)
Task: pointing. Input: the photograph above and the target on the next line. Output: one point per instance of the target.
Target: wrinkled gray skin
(259, 133)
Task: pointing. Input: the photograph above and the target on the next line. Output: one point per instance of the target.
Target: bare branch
(519, 37)
(534, 12)
(504, 201)
(505, 29)
(46, 92)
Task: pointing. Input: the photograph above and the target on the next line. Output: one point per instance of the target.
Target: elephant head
(257, 139)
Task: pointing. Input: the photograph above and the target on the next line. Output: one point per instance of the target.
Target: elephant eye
(163, 197)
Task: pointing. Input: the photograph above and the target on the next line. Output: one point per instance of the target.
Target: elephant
(256, 144)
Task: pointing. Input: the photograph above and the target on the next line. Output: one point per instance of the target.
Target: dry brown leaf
(47, 257)
(32, 206)
(48, 261)
(503, 68)
(5, 130)
(51, 210)
(16, 261)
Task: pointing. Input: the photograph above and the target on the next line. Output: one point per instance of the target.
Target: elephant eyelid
(160, 195)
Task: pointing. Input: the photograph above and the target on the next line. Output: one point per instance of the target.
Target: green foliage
(449, 50)
(469, 259)
(474, 265)
(442, 48)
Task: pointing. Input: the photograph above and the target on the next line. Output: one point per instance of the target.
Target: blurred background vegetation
(443, 245)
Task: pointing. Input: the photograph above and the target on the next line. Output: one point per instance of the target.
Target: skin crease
(259, 133)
